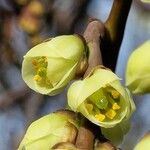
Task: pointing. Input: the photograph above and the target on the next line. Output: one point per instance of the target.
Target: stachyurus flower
(138, 70)
(144, 143)
(48, 67)
(50, 130)
(146, 1)
(102, 99)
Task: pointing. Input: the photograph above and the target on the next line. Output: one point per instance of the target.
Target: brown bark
(93, 34)
(114, 31)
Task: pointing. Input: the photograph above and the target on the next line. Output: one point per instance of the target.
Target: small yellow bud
(36, 8)
(115, 106)
(100, 117)
(111, 114)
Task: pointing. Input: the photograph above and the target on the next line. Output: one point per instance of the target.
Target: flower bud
(102, 99)
(144, 143)
(50, 130)
(138, 70)
(48, 67)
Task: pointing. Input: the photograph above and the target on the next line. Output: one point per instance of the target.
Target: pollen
(34, 62)
(37, 78)
(115, 106)
(89, 107)
(100, 117)
(111, 114)
(115, 94)
(41, 72)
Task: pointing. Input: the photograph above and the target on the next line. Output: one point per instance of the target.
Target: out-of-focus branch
(9, 97)
(32, 105)
(66, 13)
(114, 26)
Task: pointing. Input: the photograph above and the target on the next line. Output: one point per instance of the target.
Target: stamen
(111, 114)
(34, 62)
(42, 72)
(89, 107)
(115, 94)
(37, 78)
(115, 106)
(40, 65)
(100, 117)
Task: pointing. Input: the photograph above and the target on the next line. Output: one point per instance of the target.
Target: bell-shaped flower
(101, 98)
(138, 70)
(48, 67)
(144, 143)
(48, 131)
(146, 1)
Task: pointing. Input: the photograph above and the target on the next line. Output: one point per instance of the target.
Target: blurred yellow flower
(144, 143)
(138, 70)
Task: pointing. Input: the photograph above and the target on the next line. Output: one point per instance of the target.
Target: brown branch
(114, 26)
(86, 136)
(93, 34)
(116, 21)
(66, 14)
(32, 105)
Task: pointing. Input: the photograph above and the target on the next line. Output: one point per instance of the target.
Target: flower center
(40, 65)
(104, 104)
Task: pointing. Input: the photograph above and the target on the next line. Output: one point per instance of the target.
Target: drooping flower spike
(48, 67)
(101, 98)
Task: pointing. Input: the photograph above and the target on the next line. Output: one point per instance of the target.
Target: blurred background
(25, 23)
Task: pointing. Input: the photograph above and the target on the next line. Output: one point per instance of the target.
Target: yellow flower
(50, 130)
(144, 143)
(138, 70)
(102, 99)
(48, 67)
